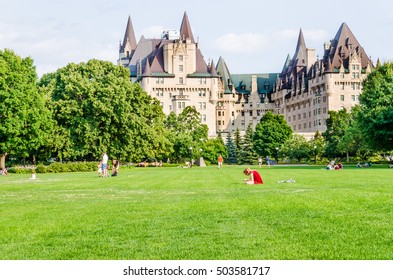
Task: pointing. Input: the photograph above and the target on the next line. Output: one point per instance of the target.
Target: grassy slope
(198, 213)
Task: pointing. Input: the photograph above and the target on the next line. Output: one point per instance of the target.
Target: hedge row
(55, 167)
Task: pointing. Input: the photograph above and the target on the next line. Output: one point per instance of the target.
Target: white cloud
(152, 32)
(241, 43)
(267, 41)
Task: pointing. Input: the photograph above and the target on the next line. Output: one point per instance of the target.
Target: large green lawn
(199, 213)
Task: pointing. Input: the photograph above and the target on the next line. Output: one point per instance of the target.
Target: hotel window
(160, 92)
(159, 80)
(204, 118)
(233, 113)
(180, 58)
(202, 81)
(181, 80)
(180, 68)
(170, 107)
(183, 105)
(219, 123)
(353, 97)
(219, 113)
(233, 122)
(222, 111)
(204, 105)
(202, 93)
(250, 113)
(341, 97)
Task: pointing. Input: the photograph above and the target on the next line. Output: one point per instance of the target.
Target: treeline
(82, 110)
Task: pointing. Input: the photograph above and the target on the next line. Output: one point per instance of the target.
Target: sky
(251, 36)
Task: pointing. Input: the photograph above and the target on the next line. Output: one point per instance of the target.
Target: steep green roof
(265, 82)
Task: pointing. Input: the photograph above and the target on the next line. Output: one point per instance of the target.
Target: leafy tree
(247, 153)
(376, 108)
(353, 142)
(318, 145)
(337, 123)
(270, 133)
(230, 144)
(97, 109)
(25, 123)
(213, 148)
(297, 147)
(186, 131)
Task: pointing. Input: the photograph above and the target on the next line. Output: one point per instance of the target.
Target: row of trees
(82, 110)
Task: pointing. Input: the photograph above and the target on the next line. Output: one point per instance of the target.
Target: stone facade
(172, 70)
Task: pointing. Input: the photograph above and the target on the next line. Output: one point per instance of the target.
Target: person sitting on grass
(115, 167)
(255, 177)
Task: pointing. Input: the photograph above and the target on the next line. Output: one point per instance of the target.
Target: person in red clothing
(255, 177)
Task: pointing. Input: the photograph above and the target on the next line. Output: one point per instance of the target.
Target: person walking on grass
(255, 177)
(220, 160)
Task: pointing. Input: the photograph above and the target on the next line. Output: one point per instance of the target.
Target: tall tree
(230, 144)
(247, 154)
(97, 109)
(186, 131)
(337, 123)
(376, 108)
(271, 133)
(297, 147)
(25, 122)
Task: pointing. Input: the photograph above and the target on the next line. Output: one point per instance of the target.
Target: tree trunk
(2, 160)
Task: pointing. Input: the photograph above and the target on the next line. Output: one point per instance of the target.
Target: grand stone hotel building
(173, 70)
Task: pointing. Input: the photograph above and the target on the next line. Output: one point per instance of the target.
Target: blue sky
(252, 36)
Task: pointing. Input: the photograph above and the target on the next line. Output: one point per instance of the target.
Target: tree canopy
(270, 133)
(24, 120)
(97, 109)
(376, 108)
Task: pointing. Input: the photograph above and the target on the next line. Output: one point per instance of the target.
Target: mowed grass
(199, 214)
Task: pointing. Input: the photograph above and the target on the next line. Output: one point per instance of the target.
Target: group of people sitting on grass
(333, 166)
(3, 171)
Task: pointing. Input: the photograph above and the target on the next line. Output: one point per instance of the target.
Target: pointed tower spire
(341, 50)
(213, 71)
(300, 56)
(185, 29)
(286, 65)
(129, 36)
(146, 71)
(329, 67)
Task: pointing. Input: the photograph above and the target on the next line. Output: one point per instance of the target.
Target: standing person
(104, 165)
(260, 162)
(267, 162)
(99, 168)
(255, 177)
(220, 160)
